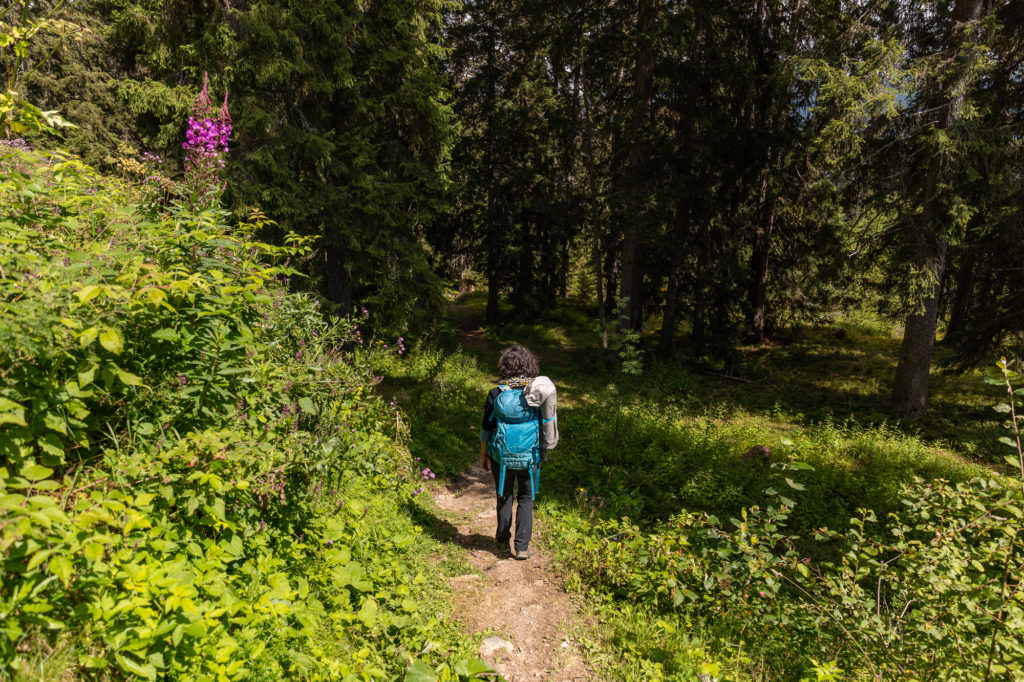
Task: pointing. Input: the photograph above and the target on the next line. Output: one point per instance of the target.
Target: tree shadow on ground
(446, 532)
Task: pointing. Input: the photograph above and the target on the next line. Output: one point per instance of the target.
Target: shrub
(933, 593)
(195, 478)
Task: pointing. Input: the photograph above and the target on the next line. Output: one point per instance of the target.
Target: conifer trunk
(639, 157)
(910, 387)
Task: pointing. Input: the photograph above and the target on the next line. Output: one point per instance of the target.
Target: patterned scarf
(516, 382)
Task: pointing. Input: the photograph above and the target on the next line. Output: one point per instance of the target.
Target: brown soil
(521, 602)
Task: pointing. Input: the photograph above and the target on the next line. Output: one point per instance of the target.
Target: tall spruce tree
(343, 126)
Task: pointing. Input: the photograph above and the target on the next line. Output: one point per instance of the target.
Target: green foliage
(342, 128)
(21, 23)
(625, 341)
(443, 395)
(929, 594)
(195, 481)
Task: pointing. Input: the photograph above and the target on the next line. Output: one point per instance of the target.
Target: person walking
(518, 430)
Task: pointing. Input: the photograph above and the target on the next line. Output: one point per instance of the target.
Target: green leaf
(90, 661)
(218, 509)
(147, 672)
(85, 377)
(234, 546)
(16, 417)
(11, 502)
(51, 444)
(165, 334)
(35, 472)
(1008, 441)
(368, 613)
(38, 558)
(794, 485)
(418, 671)
(1012, 460)
(93, 551)
(7, 405)
(60, 566)
(307, 405)
(88, 336)
(55, 422)
(1002, 407)
(144, 499)
(111, 339)
(127, 378)
(87, 293)
(468, 667)
(403, 539)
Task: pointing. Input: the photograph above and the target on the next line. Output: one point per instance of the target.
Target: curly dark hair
(517, 361)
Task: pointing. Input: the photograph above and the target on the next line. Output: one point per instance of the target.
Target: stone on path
(493, 645)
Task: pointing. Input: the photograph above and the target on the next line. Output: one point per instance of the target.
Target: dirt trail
(522, 602)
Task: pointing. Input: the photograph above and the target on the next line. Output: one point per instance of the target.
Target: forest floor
(522, 604)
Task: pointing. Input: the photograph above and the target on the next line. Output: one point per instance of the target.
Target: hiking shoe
(523, 554)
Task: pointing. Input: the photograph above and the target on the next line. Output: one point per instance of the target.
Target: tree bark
(631, 287)
(910, 389)
(639, 157)
(601, 317)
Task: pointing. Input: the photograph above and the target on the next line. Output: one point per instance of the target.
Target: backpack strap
(501, 464)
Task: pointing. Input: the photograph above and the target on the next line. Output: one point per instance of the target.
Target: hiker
(519, 428)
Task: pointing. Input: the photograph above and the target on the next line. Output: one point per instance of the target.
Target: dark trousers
(524, 508)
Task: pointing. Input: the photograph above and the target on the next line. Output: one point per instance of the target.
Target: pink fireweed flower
(206, 143)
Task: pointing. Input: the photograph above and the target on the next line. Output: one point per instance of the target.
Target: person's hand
(485, 462)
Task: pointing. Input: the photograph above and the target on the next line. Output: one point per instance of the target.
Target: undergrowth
(196, 478)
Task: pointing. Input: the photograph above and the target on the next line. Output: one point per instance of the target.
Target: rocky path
(521, 603)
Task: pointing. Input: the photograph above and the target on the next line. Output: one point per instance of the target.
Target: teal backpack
(515, 444)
